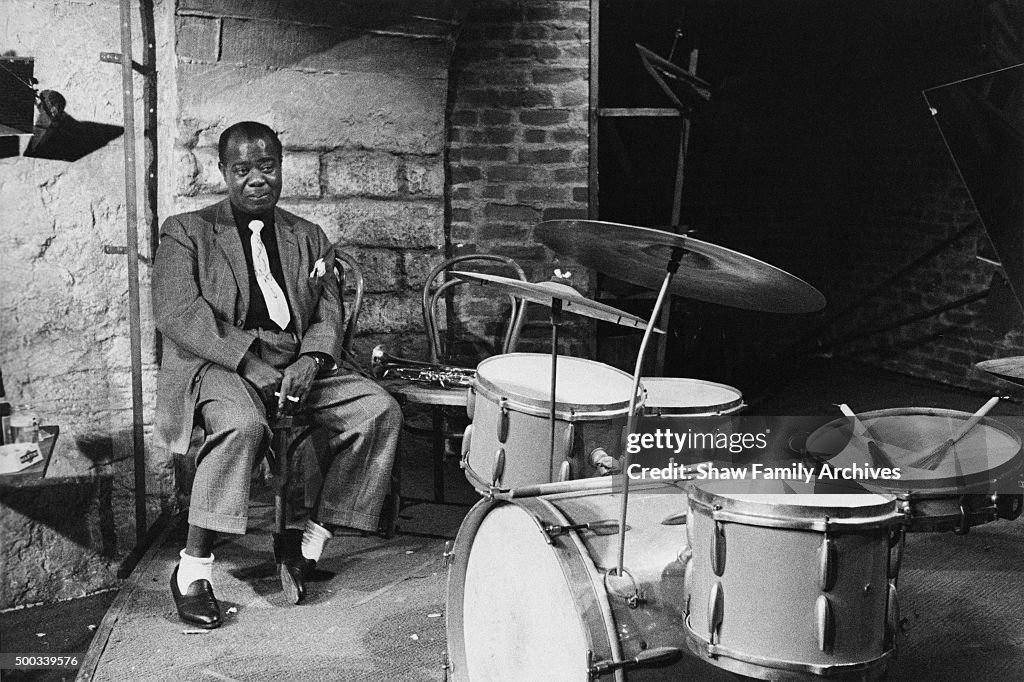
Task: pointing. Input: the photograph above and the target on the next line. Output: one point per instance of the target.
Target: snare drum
(971, 485)
(527, 598)
(674, 397)
(508, 444)
(792, 586)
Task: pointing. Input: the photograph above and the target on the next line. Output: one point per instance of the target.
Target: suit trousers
(360, 421)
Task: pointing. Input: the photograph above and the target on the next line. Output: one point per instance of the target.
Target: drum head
(511, 614)
(758, 499)
(985, 453)
(674, 395)
(582, 385)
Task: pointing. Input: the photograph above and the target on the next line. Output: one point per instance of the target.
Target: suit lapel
(291, 265)
(226, 235)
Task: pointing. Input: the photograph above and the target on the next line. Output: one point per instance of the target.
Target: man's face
(252, 171)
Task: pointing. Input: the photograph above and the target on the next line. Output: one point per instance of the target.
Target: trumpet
(383, 365)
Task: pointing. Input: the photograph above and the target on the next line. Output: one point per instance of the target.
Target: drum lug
(568, 440)
(827, 564)
(677, 519)
(605, 527)
(446, 666)
(826, 621)
(503, 420)
(564, 471)
(718, 549)
(662, 655)
(470, 403)
(499, 467)
(964, 527)
(896, 543)
(467, 444)
(448, 555)
(1008, 507)
(892, 606)
(716, 613)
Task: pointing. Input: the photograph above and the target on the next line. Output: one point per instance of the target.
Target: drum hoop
(578, 568)
(819, 518)
(748, 664)
(564, 411)
(727, 407)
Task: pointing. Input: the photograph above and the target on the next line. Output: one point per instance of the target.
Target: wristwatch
(318, 359)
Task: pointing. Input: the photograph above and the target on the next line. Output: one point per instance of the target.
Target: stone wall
(358, 97)
(518, 144)
(64, 340)
(360, 112)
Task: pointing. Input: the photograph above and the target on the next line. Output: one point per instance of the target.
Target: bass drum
(527, 596)
(978, 480)
(508, 445)
(792, 586)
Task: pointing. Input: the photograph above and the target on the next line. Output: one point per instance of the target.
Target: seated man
(248, 303)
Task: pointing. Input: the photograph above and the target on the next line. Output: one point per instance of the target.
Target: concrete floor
(378, 610)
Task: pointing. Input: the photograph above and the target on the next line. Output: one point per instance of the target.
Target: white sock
(193, 568)
(314, 538)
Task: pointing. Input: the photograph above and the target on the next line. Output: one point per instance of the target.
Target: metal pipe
(134, 313)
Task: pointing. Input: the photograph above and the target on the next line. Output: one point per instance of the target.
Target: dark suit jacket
(201, 295)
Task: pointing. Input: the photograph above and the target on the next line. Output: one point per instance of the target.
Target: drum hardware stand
(670, 271)
(662, 655)
(556, 322)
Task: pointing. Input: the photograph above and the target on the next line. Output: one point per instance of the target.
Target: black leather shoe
(197, 606)
(293, 571)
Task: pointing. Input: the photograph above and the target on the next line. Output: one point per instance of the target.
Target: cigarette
(292, 398)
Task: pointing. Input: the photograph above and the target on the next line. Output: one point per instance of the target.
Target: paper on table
(18, 456)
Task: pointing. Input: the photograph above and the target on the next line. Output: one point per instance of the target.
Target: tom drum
(508, 444)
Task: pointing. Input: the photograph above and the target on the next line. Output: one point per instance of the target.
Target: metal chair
(439, 286)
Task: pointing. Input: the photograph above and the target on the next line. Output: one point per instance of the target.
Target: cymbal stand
(670, 271)
(556, 322)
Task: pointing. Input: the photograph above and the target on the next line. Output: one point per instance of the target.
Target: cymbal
(707, 272)
(546, 292)
(1009, 369)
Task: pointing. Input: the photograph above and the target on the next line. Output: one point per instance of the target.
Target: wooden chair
(290, 432)
(445, 404)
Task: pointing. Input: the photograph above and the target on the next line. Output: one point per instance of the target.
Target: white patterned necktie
(277, 304)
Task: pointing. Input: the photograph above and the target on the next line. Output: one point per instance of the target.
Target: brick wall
(360, 112)
(518, 143)
(918, 201)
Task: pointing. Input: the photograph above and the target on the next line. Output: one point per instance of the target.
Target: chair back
(350, 276)
(438, 284)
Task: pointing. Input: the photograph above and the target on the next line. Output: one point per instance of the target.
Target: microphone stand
(671, 269)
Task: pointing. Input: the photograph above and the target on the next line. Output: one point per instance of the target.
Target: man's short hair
(250, 130)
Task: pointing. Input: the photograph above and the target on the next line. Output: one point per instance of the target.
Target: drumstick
(879, 457)
(932, 458)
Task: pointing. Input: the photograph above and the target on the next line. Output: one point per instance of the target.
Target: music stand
(685, 89)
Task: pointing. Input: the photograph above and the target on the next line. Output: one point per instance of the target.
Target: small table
(36, 472)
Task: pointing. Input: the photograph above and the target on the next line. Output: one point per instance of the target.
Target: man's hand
(295, 383)
(262, 375)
